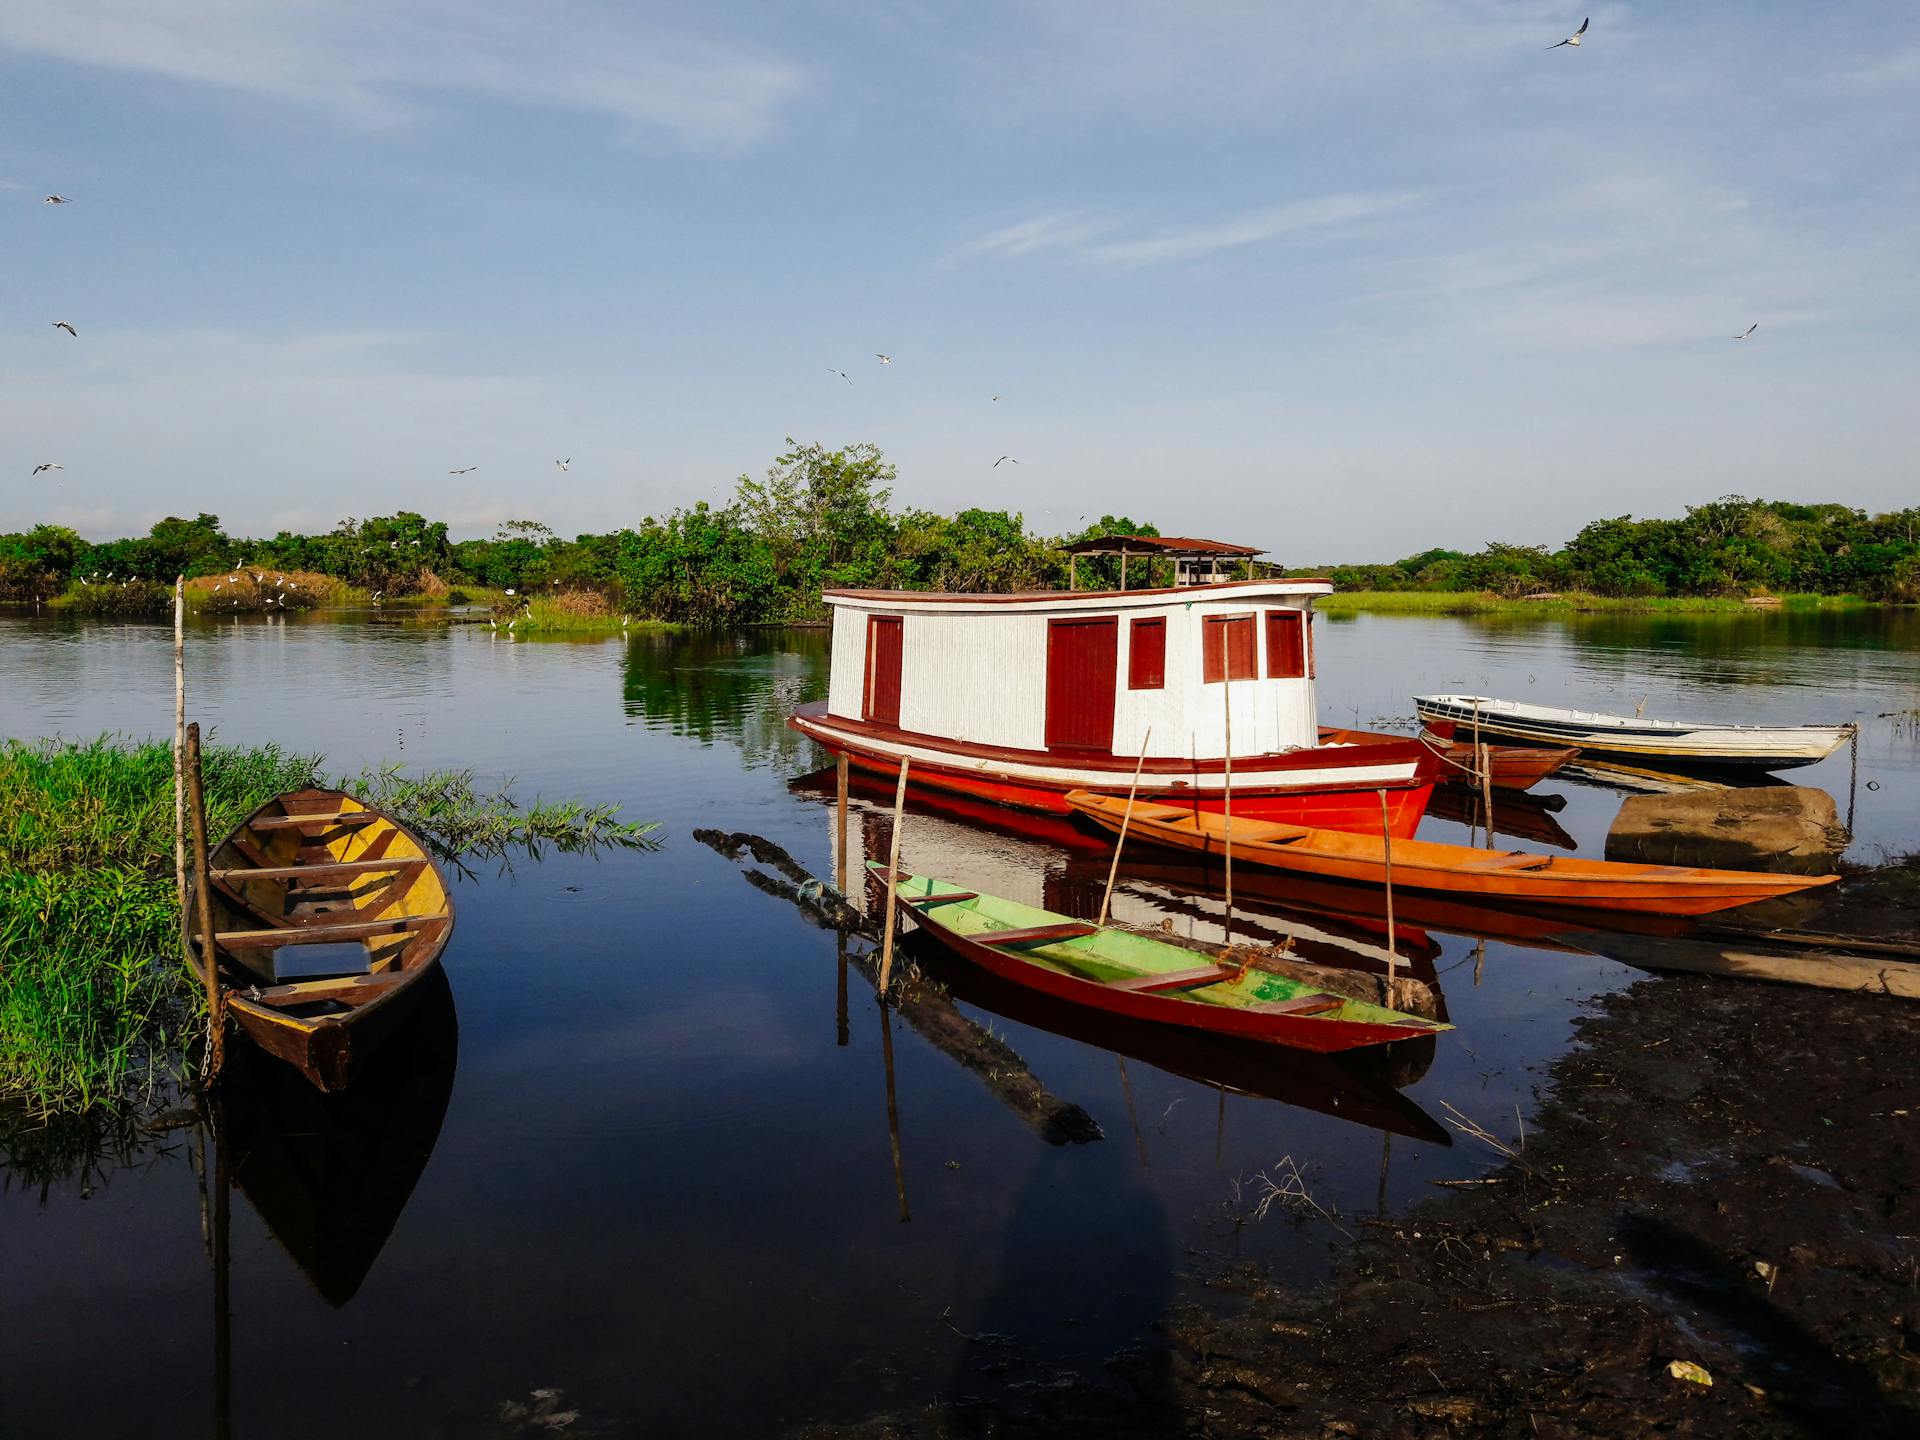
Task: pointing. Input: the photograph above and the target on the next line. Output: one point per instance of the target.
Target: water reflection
(738, 687)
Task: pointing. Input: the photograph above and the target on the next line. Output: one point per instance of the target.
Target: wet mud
(1724, 1175)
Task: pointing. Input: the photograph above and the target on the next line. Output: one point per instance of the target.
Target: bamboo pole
(1485, 758)
(1226, 790)
(893, 880)
(216, 1009)
(1476, 745)
(1393, 954)
(840, 817)
(180, 747)
(1123, 567)
(1125, 820)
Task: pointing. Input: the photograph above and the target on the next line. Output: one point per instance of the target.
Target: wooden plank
(1300, 1005)
(331, 817)
(340, 988)
(313, 934)
(303, 872)
(941, 899)
(1036, 934)
(1172, 980)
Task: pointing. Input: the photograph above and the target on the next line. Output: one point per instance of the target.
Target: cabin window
(1227, 648)
(880, 701)
(1147, 654)
(1286, 645)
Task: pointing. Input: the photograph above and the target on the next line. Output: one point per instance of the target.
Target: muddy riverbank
(1722, 1174)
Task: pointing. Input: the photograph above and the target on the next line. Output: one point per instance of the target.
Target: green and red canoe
(1130, 974)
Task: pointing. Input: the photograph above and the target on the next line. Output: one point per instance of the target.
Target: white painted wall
(978, 671)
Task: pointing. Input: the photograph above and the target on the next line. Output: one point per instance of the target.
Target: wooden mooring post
(840, 819)
(1113, 871)
(180, 748)
(1393, 953)
(209, 952)
(893, 881)
(1226, 793)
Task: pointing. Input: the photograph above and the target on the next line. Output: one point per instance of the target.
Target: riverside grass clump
(90, 990)
(95, 1007)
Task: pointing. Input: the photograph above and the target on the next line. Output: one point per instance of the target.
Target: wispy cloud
(382, 64)
(1101, 242)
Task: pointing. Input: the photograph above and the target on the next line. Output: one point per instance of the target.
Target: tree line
(824, 518)
(1731, 547)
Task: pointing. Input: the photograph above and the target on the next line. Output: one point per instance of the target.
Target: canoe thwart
(1171, 980)
(943, 898)
(1300, 1005)
(1038, 934)
(325, 817)
(336, 988)
(302, 872)
(315, 934)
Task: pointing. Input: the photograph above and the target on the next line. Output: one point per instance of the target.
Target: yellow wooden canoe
(326, 914)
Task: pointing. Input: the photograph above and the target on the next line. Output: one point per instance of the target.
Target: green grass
(94, 1004)
(1457, 602)
(90, 991)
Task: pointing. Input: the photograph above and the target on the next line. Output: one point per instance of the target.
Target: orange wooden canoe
(1560, 881)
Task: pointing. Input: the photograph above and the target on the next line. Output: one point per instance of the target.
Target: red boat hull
(1262, 785)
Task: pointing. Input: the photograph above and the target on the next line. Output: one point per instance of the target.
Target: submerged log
(1822, 970)
(921, 1003)
(1789, 829)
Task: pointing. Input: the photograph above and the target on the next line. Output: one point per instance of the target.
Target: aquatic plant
(459, 821)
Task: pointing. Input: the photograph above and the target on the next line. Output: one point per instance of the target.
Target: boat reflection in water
(329, 1175)
(1517, 814)
(1054, 863)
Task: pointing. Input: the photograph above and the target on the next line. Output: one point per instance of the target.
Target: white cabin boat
(1665, 742)
(1019, 699)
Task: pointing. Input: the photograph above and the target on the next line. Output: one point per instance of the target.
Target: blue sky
(1341, 280)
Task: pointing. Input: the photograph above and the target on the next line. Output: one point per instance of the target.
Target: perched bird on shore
(1574, 38)
(561, 465)
(58, 200)
(468, 471)
(63, 325)
(1748, 331)
(996, 464)
(49, 465)
(883, 359)
(841, 373)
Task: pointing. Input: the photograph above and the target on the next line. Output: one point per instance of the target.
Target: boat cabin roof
(1225, 591)
(1176, 546)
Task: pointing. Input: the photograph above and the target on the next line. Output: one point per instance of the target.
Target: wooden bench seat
(945, 897)
(1300, 1005)
(1036, 934)
(315, 934)
(345, 988)
(1171, 980)
(303, 872)
(325, 817)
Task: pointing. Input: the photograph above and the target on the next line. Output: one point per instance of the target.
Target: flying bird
(1574, 38)
(996, 464)
(51, 465)
(1749, 330)
(841, 373)
(883, 359)
(469, 470)
(564, 463)
(58, 200)
(63, 325)
(993, 397)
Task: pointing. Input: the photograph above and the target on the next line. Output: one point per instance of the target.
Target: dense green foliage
(93, 1003)
(1733, 546)
(823, 518)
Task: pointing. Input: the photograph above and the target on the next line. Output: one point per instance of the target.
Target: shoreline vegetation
(825, 518)
(1482, 602)
(95, 1004)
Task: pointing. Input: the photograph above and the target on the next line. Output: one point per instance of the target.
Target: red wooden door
(1083, 664)
(881, 701)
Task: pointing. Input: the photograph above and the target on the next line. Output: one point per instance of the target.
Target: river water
(657, 1174)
